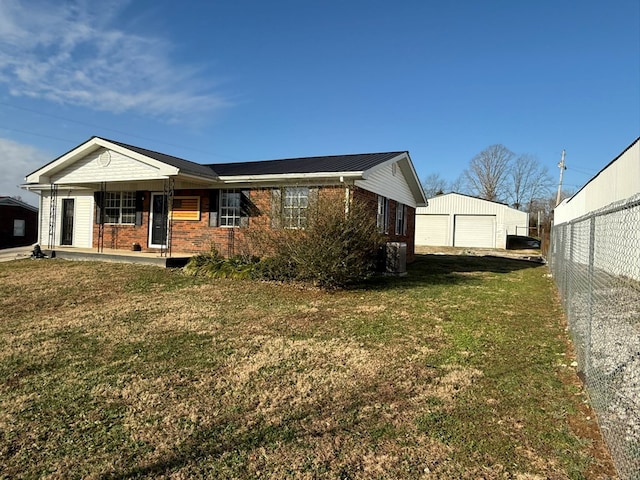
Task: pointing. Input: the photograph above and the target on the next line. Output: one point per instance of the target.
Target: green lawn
(462, 369)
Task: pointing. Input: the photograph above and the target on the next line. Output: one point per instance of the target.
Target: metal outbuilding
(456, 220)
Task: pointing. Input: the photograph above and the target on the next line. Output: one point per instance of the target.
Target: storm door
(67, 221)
(158, 221)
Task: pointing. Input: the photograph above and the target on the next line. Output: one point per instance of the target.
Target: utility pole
(562, 168)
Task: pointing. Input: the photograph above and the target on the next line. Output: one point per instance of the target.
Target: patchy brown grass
(123, 371)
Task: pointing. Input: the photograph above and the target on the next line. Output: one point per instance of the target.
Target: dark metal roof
(333, 163)
(185, 166)
(330, 164)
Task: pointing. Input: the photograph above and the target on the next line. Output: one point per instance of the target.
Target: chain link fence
(595, 262)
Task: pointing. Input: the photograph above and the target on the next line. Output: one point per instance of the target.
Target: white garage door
(475, 231)
(432, 230)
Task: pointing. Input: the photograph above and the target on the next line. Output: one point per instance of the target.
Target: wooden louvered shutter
(276, 208)
(139, 207)
(245, 207)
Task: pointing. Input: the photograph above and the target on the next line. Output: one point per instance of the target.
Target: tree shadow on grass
(448, 269)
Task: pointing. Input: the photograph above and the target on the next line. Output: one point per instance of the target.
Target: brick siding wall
(410, 219)
(196, 236)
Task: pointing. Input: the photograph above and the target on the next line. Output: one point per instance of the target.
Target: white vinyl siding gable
(383, 182)
(119, 168)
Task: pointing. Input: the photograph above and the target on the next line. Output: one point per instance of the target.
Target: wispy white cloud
(16, 161)
(70, 52)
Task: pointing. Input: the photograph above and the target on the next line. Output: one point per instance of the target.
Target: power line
(582, 171)
(37, 134)
(90, 125)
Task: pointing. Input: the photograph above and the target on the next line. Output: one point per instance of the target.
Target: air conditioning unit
(396, 258)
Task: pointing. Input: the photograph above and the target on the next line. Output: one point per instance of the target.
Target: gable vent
(104, 159)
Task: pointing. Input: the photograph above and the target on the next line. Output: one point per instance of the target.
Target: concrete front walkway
(122, 256)
(8, 254)
(107, 255)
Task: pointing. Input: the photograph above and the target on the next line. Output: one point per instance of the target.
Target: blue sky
(238, 80)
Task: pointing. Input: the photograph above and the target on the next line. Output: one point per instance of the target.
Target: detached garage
(456, 220)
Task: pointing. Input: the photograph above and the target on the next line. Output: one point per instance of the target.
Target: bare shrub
(338, 246)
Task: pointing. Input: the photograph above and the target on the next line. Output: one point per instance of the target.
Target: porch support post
(53, 205)
(103, 196)
(169, 191)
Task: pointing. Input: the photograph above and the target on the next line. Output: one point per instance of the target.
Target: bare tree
(457, 185)
(488, 174)
(528, 180)
(541, 209)
(434, 184)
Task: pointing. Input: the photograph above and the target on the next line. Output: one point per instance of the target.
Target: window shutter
(404, 220)
(313, 197)
(98, 197)
(139, 207)
(214, 202)
(312, 205)
(276, 208)
(245, 207)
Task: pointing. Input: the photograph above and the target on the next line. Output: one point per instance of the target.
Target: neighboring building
(456, 220)
(617, 181)
(105, 193)
(18, 223)
(599, 225)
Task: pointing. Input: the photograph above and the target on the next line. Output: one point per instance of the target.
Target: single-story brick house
(18, 223)
(107, 194)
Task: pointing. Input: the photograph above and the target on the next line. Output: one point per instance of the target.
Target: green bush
(214, 265)
(277, 268)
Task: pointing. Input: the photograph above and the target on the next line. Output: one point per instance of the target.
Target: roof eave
(290, 177)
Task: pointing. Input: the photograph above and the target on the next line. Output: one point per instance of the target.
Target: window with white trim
(295, 207)
(120, 207)
(230, 208)
(19, 227)
(401, 221)
(382, 217)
